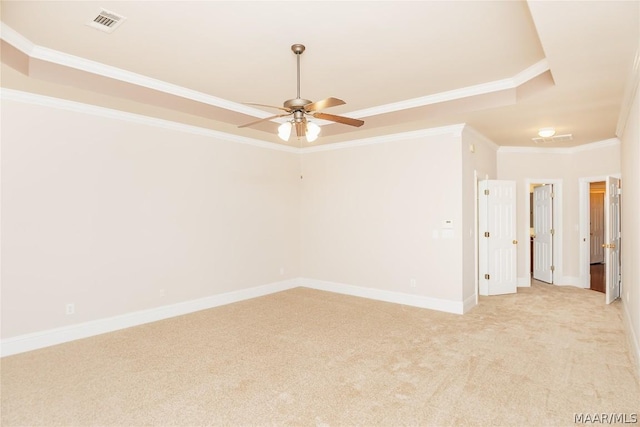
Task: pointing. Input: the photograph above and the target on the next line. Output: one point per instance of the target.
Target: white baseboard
(469, 303)
(33, 341)
(456, 307)
(41, 339)
(632, 337)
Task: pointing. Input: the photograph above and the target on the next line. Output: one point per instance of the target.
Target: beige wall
(372, 216)
(568, 166)
(630, 251)
(479, 156)
(106, 213)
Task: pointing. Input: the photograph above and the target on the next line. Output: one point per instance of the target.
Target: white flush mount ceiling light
(548, 135)
(299, 108)
(555, 139)
(547, 132)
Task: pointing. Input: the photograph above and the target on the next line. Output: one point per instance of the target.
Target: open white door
(543, 233)
(612, 239)
(498, 244)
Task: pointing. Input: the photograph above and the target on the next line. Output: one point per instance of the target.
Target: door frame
(584, 240)
(558, 276)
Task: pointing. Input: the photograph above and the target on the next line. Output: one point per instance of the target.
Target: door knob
(515, 242)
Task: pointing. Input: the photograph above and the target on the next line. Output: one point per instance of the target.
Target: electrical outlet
(71, 308)
(282, 271)
(412, 283)
(162, 293)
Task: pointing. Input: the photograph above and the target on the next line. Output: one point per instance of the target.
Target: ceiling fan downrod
(297, 103)
(298, 49)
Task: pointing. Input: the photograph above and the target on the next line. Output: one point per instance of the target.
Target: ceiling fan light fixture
(313, 130)
(300, 108)
(547, 132)
(284, 131)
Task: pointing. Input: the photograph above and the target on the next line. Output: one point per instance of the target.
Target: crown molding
(455, 130)
(530, 73)
(78, 107)
(465, 92)
(556, 150)
(50, 55)
(16, 39)
(45, 54)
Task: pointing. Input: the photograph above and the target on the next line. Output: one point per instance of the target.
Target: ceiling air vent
(556, 138)
(106, 21)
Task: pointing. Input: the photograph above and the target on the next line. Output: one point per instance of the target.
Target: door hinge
(552, 231)
(486, 234)
(553, 195)
(487, 276)
(553, 268)
(486, 192)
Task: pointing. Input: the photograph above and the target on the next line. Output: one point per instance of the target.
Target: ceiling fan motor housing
(296, 104)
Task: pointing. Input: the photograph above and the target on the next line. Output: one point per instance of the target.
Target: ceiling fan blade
(300, 129)
(262, 120)
(339, 119)
(265, 105)
(321, 105)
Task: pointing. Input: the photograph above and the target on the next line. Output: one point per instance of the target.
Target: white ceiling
(506, 68)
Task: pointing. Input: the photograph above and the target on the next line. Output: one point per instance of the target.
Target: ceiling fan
(299, 108)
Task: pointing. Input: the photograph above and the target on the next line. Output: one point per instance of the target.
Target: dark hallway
(597, 277)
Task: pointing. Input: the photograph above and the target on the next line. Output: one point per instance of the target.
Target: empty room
(319, 213)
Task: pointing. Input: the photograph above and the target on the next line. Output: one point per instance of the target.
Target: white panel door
(498, 244)
(612, 239)
(543, 233)
(596, 227)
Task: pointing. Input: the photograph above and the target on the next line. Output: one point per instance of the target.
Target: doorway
(548, 244)
(593, 271)
(596, 236)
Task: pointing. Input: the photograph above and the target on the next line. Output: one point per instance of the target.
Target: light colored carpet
(306, 357)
